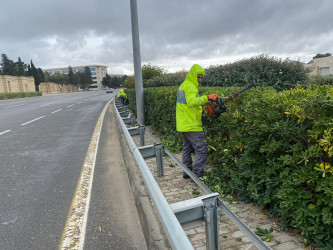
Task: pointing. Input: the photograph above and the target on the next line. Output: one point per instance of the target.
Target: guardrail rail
(204, 208)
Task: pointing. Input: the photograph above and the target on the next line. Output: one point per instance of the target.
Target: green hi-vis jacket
(122, 92)
(189, 104)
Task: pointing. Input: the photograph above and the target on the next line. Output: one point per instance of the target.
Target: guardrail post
(124, 114)
(159, 159)
(211, 216)
(142, 135)
(133, 120)
(122, 109)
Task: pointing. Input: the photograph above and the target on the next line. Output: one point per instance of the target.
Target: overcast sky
(174, 34)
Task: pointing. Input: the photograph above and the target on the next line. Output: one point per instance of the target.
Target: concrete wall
(323, 62)
(54, 88)
(10, 84)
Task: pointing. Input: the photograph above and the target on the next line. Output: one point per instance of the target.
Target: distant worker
(122, 97)
(189, 123)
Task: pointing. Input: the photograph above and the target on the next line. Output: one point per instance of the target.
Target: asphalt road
(43, 143)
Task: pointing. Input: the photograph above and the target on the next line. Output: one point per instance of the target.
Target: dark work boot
(185, 175)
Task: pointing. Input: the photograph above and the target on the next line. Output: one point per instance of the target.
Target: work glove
(212, 97)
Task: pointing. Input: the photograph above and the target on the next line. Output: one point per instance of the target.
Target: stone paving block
(234, 243)
(200, 230)
(287, 246)
(198, 236)
(237, 234)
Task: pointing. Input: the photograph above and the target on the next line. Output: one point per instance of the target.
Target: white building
(321, 66)
(98, 72)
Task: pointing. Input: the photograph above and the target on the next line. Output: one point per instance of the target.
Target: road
(43, 145)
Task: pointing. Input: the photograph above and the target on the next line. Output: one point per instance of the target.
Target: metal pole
(137, 64)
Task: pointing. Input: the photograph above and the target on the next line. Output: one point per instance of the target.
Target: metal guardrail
(233, 217)
(181, 212)
(174, 231)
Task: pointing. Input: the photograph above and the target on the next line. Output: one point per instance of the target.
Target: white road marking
(70, 105)
(11, 106)
(56, 111)
(4, 132)
(75, 228)
(32, 120)
(47, 104)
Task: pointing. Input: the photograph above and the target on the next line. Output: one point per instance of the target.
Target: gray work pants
(194, 142)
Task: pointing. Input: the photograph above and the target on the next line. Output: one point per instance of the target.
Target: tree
(72, 78)
(322, 55)
(37, 74)
(107, 81)
(129, 82)
(149, 71)
(113, 81)
(85, 78)
(7, 66)
(57, 78)
(20, 68)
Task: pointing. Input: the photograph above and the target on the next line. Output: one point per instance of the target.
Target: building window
(50, 72)
(74, 70)
(94, 77)
(94, 81)
(65, 71)
(57, 72)
(93, 73)
(324, 71)
(80, 70)
(92, 69)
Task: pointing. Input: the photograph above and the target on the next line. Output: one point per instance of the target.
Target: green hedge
(4, 96)
(266, 71)
(272, 148)
(321, 80)
(171, 79)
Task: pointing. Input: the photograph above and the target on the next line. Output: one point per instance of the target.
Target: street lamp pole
(137, 64)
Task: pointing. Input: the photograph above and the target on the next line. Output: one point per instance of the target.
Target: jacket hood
(193, 73)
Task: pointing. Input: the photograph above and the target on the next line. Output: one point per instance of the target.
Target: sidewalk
(176, 189)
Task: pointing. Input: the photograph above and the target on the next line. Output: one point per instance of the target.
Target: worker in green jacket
(188, 120)
(122, 96)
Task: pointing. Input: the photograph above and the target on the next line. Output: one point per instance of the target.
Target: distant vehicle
(110, 90)
(94, 89)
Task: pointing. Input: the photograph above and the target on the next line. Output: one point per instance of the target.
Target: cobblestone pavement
(176, 189)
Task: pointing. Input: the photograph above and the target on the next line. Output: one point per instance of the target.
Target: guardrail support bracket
(211, 216)
(200, 209)
(155, 150)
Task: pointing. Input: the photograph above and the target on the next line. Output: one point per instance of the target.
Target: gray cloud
(173, 34)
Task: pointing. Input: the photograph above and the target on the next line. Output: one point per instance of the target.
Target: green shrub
(4, 96)
(272, 148)
(321, 80)
(264, 70)
(171, 79)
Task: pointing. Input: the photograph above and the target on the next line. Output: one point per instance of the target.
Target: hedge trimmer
(217, 107)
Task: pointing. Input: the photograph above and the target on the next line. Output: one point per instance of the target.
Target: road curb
(151, 227)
